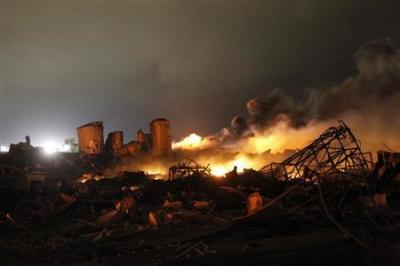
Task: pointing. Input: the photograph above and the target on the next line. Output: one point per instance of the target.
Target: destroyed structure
(90, 138)
(188, 168)
(290, 213)
(336, 150)
(157, 142)
(160, 138)
(115, 142)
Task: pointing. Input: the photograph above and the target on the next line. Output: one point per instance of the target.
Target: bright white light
(49, 147)
(4, 148)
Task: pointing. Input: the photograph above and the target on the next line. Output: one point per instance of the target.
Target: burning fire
(262, 143)
(241, 163)
(156, 173)
(192, 142)
(252, 151)
(274, 140)
(281, 137)
(219, 167)
(219, 171)
(88, 176)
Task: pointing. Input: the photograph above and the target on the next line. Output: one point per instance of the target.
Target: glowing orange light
(240, 162)
(191, 142)
(219, 171)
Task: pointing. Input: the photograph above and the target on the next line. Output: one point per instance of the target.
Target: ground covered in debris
(246, 218)
(324, 205)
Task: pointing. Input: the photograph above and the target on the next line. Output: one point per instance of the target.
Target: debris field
(327, 204)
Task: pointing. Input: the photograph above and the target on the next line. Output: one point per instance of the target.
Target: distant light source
(49, 147)
(65, 148)
(4, 148)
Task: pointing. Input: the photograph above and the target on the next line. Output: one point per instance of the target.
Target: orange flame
(276, 139)
(192, 142)
(240, 162)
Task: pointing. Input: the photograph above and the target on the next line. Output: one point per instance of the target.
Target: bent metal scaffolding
(335, 150)
(187, 168)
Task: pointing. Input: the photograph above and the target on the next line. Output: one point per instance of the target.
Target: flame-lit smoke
(145, 162)
(278, 124)
(275, 139)
(368, 102)
(192, 142)
(259, 147)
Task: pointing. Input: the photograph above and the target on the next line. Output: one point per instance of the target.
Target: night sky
(66, 63)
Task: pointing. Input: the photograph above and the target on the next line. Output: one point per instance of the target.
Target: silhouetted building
(90, 138)
(160, 137)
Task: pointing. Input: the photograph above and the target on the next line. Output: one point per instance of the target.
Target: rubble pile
(322, 215)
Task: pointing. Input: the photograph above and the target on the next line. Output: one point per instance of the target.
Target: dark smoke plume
(266, 112)
(376, 85)
(369, 101)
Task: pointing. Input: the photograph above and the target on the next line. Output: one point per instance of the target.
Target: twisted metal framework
(187, 168)
(335, 150)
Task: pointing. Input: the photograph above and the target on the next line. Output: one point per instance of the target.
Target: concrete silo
(132, 148)
(160, 137)
(144, 139)
(90, 138)
(115, 141)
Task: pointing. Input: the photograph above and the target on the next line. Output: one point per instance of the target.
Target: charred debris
(328, 203)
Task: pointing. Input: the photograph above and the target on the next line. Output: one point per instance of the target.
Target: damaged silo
(144, 139)
(141, 136)
(90, 138)
(160, 138)
(132, 148)
(115, 141)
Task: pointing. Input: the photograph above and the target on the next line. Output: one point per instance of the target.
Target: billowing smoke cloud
(278, 124)
(277, 104)
(368, 101)
(377, 83)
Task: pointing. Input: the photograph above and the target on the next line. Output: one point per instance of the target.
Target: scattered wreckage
(188, 168)
(336, 150)
(326, 204)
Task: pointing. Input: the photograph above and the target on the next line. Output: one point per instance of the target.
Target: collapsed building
(336, 150)
(144, 139)
(114, 142)
(192, 218)
(157, 142)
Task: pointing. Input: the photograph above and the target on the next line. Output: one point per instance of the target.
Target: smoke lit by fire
(250, 152)
(278, 124)
(240, 163)
(192, 142)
